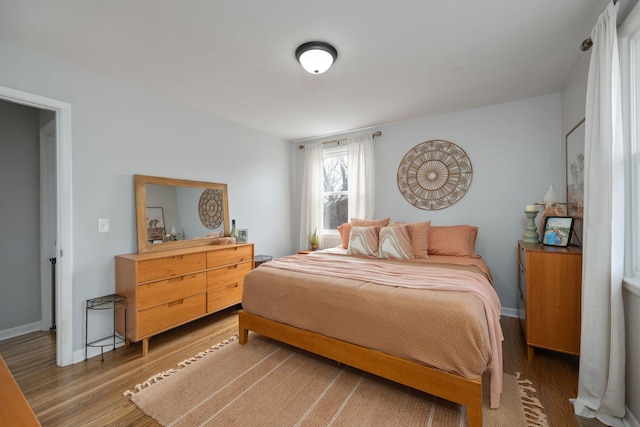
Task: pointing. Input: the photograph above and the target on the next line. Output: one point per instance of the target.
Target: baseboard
(629, 420)
(509, 312)
(78, 355)
(20, 330)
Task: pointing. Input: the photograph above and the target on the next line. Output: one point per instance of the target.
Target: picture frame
(243, 236)
(155, 225)
(557, 230)
(575, 169)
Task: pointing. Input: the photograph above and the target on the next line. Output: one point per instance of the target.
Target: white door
(48, 223)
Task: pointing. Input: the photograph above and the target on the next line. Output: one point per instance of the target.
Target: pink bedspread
(459, 276)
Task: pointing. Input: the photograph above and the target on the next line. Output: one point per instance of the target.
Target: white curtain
(312, 215)
(360, 172)
(601, 384)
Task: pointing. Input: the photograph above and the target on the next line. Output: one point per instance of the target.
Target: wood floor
(90, 392)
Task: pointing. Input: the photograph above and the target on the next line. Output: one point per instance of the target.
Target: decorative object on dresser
(531, 234)
(557, 230)
(549, 305)
(434, 175)
(243, 235)
(170, 288)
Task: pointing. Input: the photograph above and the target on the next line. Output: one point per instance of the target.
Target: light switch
(103, 225)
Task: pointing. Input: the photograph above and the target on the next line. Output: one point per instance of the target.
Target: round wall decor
(434, 175)
(210, 208)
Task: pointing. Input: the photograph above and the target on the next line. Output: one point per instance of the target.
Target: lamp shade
(316, 57)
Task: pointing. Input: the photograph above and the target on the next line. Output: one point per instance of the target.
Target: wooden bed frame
(467, 392)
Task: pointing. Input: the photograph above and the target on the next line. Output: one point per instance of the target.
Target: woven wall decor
(434, 175)
(211, 208)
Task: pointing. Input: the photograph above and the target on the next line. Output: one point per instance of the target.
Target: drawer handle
(177, 257)
(176, 302)
(231, 267)
(176, 279)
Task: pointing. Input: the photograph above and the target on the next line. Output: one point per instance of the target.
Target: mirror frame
(140, 182)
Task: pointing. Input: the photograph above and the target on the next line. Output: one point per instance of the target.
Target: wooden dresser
(550, 290)
(167, 289)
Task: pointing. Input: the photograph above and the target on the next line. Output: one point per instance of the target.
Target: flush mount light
(316, 57)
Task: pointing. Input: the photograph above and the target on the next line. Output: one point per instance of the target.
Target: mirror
(177, 213)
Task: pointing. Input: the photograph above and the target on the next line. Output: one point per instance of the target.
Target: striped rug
(267, 383)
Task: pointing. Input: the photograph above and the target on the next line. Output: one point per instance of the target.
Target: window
(335, 187)
(629, 42)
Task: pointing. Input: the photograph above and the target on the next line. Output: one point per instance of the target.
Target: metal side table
(107, 302)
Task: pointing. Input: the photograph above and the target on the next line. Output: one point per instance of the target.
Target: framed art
(243, 236)
(155, 225)
(575, 170)
(557, 230)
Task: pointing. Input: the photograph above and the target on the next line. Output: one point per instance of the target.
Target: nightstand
(550, 292)
(305, 252)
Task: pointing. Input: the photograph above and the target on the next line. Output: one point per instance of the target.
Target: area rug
(267, 383)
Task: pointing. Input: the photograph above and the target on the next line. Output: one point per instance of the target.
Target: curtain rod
(586, 45)
(373, 135)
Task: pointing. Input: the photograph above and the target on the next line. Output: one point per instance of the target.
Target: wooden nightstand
(550, 291)
(305, 252)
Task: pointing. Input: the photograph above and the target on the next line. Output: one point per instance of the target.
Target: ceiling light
(316, 57)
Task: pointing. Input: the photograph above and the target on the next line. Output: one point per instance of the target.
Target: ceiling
(397, 60)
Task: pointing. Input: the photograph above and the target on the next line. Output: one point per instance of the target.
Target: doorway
(63, 218)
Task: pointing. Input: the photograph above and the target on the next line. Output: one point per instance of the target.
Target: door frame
(64, 237)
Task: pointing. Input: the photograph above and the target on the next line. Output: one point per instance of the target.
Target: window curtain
(360, 174)
(601, 381)
(312, 212)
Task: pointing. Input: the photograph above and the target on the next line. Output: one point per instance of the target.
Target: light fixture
(316, 57)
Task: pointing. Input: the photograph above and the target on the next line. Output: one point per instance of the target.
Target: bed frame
(467, 392)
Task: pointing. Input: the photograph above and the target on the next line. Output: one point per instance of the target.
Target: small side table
(107, 302)
(261, 259)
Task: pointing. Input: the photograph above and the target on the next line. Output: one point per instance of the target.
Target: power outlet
(103, 225)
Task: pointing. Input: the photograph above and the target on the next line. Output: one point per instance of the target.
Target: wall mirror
(177, 213)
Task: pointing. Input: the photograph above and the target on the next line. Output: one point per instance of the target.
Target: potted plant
(314, 240)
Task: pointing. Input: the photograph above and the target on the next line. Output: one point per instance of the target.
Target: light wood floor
(90, 392)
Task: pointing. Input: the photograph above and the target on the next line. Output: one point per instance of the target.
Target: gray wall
(118, 131)
(19, 215)
(514, 149)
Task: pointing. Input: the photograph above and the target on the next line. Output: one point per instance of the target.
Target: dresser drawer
(224, 297)
(166, 291)
(229, 255)
(227, 275)
(522, 256)
(160, 268)
(172, 314)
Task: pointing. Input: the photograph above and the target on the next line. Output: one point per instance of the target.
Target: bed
(391, 317)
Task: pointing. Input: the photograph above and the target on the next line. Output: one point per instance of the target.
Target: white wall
(515, 151)
(119, 131)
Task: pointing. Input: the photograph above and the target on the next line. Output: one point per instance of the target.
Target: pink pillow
(356, 222)
(456, 240)
(345, 233)
(364, 241)
(419, 237)
(395, 242)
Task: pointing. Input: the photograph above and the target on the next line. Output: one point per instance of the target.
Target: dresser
(169, 288)
(550, 292)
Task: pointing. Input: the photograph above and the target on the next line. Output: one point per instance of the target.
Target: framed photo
(557, 230)
(243, 236)
(575, 170)
(155, 225)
